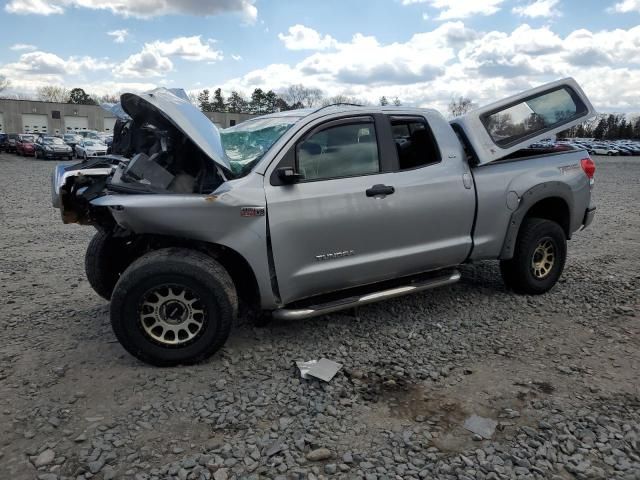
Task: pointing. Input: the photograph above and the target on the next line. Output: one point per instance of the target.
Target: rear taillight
(589, 167)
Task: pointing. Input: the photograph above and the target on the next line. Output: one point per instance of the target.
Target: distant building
(22, 116)
(225, 119)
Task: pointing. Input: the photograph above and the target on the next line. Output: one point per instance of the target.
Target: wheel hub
(171, 314)
(543, 259)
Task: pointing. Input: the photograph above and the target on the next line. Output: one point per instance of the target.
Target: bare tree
(342, 98)
(108, 98)
(301, 95)
(4, 83)
(460, 106)
(53, 93)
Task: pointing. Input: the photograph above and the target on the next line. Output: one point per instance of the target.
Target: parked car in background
(12, 138)
(602, 150)
(4, 141)
(88, 134)
(71, 139)
(25, 146)
(52, 147)
(90, 148)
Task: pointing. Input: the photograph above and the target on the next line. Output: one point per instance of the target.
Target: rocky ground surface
(557, 373)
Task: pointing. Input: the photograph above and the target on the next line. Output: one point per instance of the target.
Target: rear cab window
(415, 143)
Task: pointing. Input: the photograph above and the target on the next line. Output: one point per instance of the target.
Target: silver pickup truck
(306, 212)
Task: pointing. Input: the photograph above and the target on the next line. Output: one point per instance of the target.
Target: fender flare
(532, 196)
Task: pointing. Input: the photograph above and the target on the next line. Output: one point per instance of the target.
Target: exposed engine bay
(150, 155)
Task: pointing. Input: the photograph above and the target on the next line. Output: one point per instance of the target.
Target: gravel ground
(558, 373)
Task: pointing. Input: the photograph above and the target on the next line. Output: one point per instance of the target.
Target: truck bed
(510, 181)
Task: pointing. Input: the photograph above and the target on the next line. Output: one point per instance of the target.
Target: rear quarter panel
(502, 188)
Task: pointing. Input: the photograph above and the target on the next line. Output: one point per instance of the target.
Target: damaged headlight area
(163, 161)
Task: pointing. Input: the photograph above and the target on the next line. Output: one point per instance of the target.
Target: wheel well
(238, 268)
(554, 209)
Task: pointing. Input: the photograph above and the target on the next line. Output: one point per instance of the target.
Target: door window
(415, 144)
(339, 151)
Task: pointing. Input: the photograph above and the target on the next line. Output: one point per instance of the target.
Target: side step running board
(356, 301)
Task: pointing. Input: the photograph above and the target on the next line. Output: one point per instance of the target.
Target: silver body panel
(323, 236)
(495, 182)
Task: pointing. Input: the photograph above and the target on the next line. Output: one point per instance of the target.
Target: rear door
(509, 125)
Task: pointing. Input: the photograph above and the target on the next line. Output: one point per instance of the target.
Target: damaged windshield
(246, 143)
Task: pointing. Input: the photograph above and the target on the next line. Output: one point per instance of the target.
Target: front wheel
(173, 306)
(539, 257)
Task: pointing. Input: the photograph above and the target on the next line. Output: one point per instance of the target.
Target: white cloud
(538, 8)
(627, 6)
(41, 7)
(138, 8)
(430, 68)
(237, 58)
(38, 68)
(305, 38)
(22, 47)
(144, 64)
(451, 9)
(46, 63)
(155, 58)
(187, 48)
(119, 36)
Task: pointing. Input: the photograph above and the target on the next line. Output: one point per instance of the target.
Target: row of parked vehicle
(594, 147)
(83, 144)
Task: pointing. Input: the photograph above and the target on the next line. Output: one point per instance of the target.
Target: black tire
(35, 154)
(520, 273)
(196, 273)
(104, 261)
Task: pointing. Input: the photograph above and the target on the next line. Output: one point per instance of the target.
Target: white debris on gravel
(485, 427)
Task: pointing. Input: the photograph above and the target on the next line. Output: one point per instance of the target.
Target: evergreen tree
(236, 103)
(218, 104)
(203, 101)
(271, 102)
(600, 130)
(80, 97)
(257, 103)
(384, 101)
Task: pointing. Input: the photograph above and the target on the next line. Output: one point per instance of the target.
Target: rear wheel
(173, 306)
(539, 258)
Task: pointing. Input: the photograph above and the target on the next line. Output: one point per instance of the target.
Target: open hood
(181, 114)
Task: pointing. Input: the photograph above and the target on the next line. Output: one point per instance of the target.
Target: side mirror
(289, 175)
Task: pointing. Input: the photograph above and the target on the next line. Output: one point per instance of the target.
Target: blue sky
(423, 51)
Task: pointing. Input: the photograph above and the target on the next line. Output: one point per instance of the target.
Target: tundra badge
(331, 256)
(252, 212)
